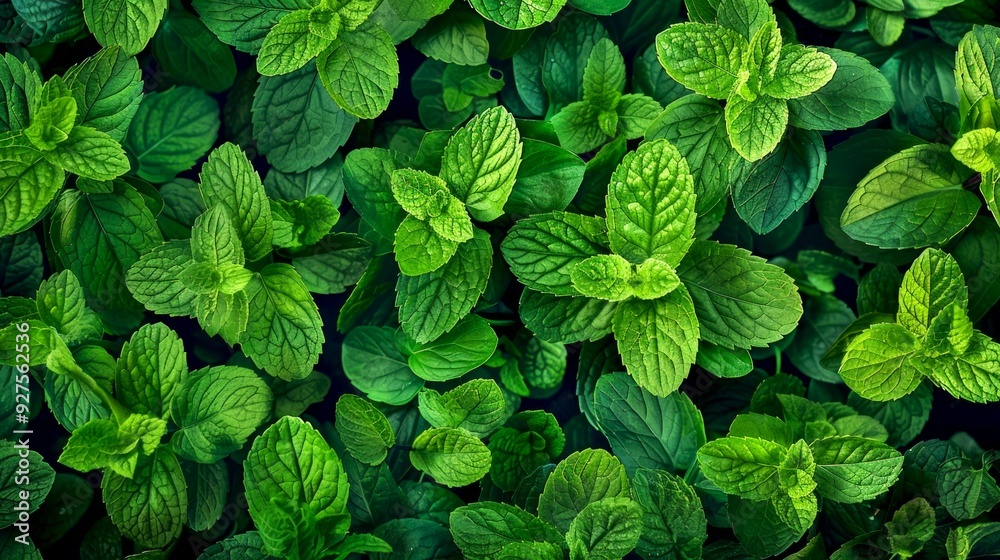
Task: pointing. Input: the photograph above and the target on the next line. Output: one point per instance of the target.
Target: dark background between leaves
(947, 417)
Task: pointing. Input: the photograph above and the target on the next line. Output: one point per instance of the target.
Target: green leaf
(933, 281)
(19, 82)
(376, 367)
(107, 89)
(824, 320)
(28, 182)
(673, 521)
(607, 529)
(886, 27)
(431, 304)
(296, 123)
(702, 57)
(426, 198)
(978, 149)
(155, 279)
(744, 466)
(468, 345)
(759, 527)
(151, 367)
(606, 277)
(290, 45)
(651, 205)
(658, 340)
(217, 409)
(740, 300)
(972, 375)
(52, 122)
(857, 94)
(129, 23)
(879, 363)
(91, 154)
(360, 70)
(480, 163)
(911, 527)
(61, 305)
(547, 180)
(898, 204)
(229, 179)
(149, 508)
(976, 75)
(171, 131)
(543, 250)
(852, 469)
(582, 478)
(481, 530)
(453, 456)
(801, 71)
(14, 461)
(967, 490)
(98, 237)
(769, 191)
(604, 77)
(566, 319)
(645, 430)
(291, 461)
(188, 51)
(364, 430)
(336, 262)
(578, 127)
(284, 333)
(477, 406)
(521, 14)
(527, 441)
(245, 23)
(756, 127)
(458, 38)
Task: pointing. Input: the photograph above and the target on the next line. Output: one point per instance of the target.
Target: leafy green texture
(171, 131)
(453, 456)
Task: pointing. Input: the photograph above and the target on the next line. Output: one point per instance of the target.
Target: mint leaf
(606, 529)
(229, 179)
(360, 70)
(879, 364)
(468, 345)
(912, 526)
(453, 456)
(480, 163)
(28, 182)
(606, 277)
(477, 406)
(171, 131)
(898, 204)
(217, 409)
(744, 466)
(376, 366)
(658, 340)
(566, 319)
(673, 522)
(151, 507)
(90, 153)
(543, 250)
(933, 281)
(284, 335)
(481, 530)
(522, 14)
(151, 367)
(106, 87)
(858, 93)
(702, 57)
(364, 430)
(740, 300)
(651, 205)
(852, 469)
(581, 479)
(290, 45)
(129, 23)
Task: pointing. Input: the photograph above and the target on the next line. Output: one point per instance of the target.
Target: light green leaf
(520, 14)
(744, 466)
(482, 529)
(217, 409)
(755, 127)
(171, 131)
(155, 279)
(364, 430)
(129, 23)
(933, 281)
(151, 507)
(284, 333)
(453, 456)
(658, 340)
(19, 82)
(107, 89)
(61, 305)
(245, 23)
(566, 319)
(290, 45)
(976, 74)
(974, 375)
(978, 149)
(853, 469)
(801, 71)
(91, 154)
(607, 529)
(28, 182)
(702, 57)
(480, 162)
(913, 199)
(431, 304)
(911, 527)
(360, 70)
(582, 478)
(477, 406)
(151, 367)
(229, 179)
(578, 127)
(879, 363)
(651, 204)
(741, 301)
(606, 277)
(459, 38)
(604, 77)
(466, 346)
(673, 521)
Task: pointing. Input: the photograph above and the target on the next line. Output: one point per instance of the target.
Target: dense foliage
(499, 279)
